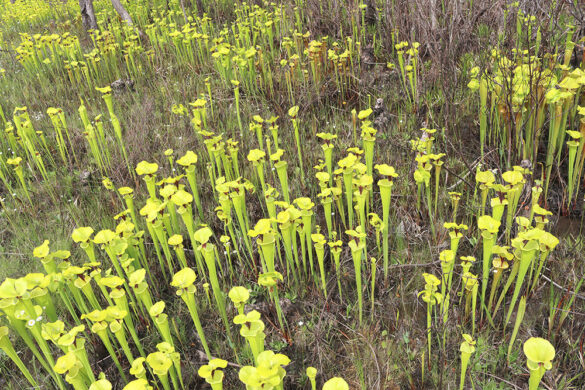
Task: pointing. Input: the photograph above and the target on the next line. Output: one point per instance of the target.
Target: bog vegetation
(299, 194)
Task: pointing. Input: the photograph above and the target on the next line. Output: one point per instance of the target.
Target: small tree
(88, 14)
(122, 11)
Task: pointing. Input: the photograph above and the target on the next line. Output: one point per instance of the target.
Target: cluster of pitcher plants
(253, 204)
(114, 288)
(530, 98)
